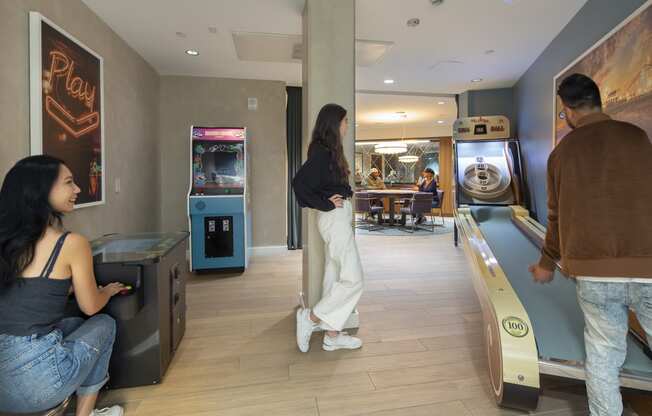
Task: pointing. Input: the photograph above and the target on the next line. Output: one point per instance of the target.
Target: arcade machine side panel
(511, 346)
(248, 217)
(188, 195)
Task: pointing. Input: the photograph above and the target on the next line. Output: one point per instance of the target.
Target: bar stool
(55, 411)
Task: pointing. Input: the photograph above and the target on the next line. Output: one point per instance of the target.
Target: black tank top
(33, 305)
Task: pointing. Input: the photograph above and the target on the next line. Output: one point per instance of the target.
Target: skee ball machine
(219, 211)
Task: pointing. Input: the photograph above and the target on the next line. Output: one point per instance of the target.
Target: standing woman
(44, 357)
(322, 183)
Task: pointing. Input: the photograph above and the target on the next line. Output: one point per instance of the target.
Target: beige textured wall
(186, 101)
(130, 105)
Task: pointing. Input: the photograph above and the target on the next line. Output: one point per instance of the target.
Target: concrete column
(328, 77)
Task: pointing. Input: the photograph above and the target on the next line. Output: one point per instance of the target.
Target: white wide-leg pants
(342, 286)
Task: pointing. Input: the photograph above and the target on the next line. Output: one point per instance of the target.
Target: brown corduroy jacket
(600, 201)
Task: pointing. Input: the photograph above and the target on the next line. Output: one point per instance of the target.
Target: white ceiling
(150, 26)
(458, 30)
(419, 59)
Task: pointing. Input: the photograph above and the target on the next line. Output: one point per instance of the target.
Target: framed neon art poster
(66, 106)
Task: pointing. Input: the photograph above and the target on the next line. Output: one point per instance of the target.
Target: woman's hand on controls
(112, 288)
(337, 200)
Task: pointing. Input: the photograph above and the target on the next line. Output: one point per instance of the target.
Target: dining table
(392, 195)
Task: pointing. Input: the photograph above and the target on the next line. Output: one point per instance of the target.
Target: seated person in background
(429, 184)
(374, 180)
(44, 357)
(420, 180)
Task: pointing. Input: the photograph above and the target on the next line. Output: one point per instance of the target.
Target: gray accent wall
(186, 101)
(533, 94)
(493, 102)
(131, 114)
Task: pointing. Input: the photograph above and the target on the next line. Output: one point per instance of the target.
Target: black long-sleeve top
(316, 181)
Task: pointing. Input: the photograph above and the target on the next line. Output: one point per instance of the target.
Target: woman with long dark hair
(44, 357)
(322, 183)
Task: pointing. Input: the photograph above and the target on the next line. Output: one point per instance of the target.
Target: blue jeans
(39, 372)
(605, 306)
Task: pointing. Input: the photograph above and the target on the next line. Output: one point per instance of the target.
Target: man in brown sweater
(600, 229)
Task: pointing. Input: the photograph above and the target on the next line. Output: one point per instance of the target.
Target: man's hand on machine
(112, 288)
(337, 200)
(540, 274)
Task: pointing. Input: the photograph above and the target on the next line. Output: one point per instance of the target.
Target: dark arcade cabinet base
(151, 316)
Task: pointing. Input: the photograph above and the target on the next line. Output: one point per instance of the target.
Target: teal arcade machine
(219, 212)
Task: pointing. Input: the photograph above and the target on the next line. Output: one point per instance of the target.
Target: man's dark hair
(428, 170)
(579, 92)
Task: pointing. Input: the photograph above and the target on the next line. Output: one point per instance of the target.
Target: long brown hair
(327, 134)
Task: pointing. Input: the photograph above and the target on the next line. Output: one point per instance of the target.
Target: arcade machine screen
(488, 173)
(218, 167)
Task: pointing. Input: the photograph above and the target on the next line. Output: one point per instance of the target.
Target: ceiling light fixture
(441, 102)
(477, 80)
(390, 148)
(408, 158)
(389, 81)
(192, 52)
(374, 142)
(440, 121)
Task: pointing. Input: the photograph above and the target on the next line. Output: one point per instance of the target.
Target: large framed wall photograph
(66, 106)
(621, 64)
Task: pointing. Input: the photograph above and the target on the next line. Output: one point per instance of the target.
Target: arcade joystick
(126, 290)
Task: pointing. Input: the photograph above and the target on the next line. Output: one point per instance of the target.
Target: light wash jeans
(39, 372)
(342, 284)
(605, 306)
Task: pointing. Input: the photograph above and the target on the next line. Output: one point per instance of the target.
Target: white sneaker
(108, 411)
(305, 327)
(341, 341)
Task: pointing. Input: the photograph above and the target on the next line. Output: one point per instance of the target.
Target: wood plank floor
(420, 321)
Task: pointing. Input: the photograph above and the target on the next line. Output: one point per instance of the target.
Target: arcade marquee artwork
(621, 64)
(66, 106)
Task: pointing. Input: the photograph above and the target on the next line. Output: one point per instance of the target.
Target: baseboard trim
(258, 251)
(268, 250)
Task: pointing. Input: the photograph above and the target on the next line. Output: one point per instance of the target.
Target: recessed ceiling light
(389, 81)
(440, 121)
(441, 102)
(477, 80)
(192, 52)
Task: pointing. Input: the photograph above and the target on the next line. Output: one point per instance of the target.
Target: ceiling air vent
(370, 52)
(267, 47)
